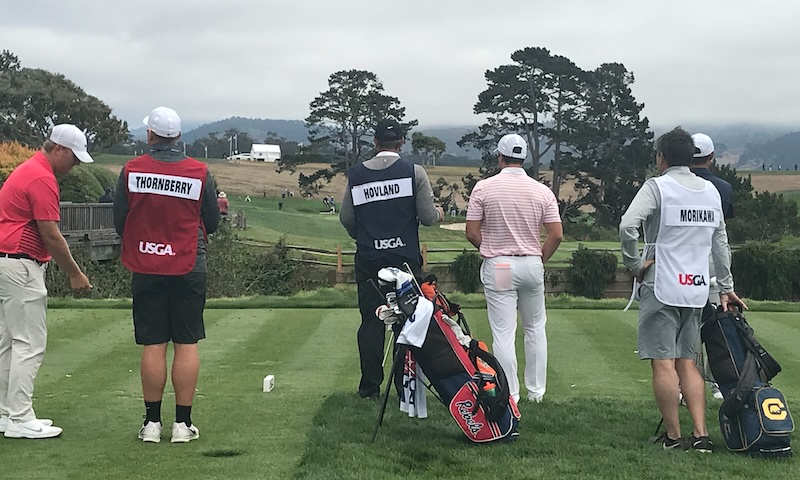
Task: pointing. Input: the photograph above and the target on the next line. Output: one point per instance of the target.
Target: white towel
(413, 401)
(416, 328)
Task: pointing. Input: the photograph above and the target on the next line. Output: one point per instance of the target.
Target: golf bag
(466, 378)
(754, 416)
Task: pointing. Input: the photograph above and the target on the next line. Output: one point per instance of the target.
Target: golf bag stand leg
(398, 354)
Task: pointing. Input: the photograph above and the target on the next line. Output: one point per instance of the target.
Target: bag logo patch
(774, 409)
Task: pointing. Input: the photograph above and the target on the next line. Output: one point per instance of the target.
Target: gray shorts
(664, 331)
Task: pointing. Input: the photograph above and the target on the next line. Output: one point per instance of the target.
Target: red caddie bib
(164, 199)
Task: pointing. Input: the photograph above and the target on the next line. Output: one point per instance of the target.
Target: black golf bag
(466, 378)
(754, 416)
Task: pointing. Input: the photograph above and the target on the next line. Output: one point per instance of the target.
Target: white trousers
(23, 334)
(511, 284)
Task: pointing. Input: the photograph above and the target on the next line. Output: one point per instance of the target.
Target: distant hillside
(256, 128)
(783, 152)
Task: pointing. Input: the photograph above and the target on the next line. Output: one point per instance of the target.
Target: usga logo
(151, 248)
(387, 243)
(690, 279)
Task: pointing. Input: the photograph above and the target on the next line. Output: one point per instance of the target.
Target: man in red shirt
(164, 206)
(29, 238)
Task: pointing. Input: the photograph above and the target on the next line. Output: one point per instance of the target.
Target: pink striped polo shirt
(512, 208)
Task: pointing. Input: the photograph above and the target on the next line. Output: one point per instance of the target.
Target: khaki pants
(23, 334)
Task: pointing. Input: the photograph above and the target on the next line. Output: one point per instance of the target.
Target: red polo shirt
(29, 194)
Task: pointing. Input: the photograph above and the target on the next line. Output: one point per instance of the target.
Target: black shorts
(169, 308)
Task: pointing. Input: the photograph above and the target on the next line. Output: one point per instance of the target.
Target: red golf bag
(466, 378)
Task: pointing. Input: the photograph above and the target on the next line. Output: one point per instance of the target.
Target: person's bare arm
(57, 246)
(555, 234)
(474, 233)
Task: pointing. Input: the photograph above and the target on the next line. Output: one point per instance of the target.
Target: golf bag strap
(493, 405)
(738, 396)
(768, 365)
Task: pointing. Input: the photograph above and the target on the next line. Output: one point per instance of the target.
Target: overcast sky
(708, 61)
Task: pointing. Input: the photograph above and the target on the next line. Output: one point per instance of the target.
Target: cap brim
(146, 119)
(84, 157)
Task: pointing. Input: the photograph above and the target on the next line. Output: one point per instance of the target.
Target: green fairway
(597, 414)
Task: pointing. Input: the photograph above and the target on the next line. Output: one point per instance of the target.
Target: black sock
(152, 411)
(183, 413)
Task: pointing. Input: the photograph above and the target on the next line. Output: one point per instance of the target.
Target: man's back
(513, 207)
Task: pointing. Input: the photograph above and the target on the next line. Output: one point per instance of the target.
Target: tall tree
(33, 100)
(430, 148)
(531, 97)
(612, 146)
(343, 116)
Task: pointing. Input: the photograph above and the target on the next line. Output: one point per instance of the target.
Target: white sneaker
(31, 429)
(716, 393)
(182, 434)
(4, 422)
(534, 398)
(150, 432)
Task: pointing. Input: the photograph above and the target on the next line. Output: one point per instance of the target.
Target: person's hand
(645, 267)
(441, 213)
(729, 300)
(80, 283)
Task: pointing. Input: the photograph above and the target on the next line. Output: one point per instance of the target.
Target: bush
(80, 185)
(11, 155)
(234, 270)
(467, 270)
(109, 279)
(591, 271)
(763, 271)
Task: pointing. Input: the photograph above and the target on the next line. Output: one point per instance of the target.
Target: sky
(694, 61)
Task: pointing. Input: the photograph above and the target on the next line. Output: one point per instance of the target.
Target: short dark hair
(388, 144)
(515, 160)
(677, 147)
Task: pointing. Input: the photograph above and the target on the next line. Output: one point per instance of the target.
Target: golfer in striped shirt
(505, 215)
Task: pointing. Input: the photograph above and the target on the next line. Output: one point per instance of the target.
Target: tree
(33, 100)
(428, 147)
(532, 97)
(343, 116)
(612, 148)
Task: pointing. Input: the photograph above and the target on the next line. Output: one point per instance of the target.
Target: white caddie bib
(688, 220)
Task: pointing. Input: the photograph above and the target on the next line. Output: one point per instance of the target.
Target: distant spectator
(107, 197)
(222, 204)
(280, 205)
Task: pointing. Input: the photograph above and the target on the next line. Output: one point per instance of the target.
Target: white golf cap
(164, 122)
(71, 137)
(703, 146)
(513, 146)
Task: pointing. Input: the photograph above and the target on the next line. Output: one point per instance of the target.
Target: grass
(302, 223)
(597, 414)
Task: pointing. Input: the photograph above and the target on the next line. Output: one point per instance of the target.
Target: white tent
(262, 152)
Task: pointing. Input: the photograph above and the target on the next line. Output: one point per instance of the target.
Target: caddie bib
(688, 220)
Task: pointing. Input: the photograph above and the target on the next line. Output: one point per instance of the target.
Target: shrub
(591, 271)
(11, 155)
(109, 279)
(763, 271)
(234, 270)
(467, 270)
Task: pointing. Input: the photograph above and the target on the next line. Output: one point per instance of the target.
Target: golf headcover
(407, 294)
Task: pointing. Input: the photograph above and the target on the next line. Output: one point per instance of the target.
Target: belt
(21, 256)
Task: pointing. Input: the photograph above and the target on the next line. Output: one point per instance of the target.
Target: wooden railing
(84, 218)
